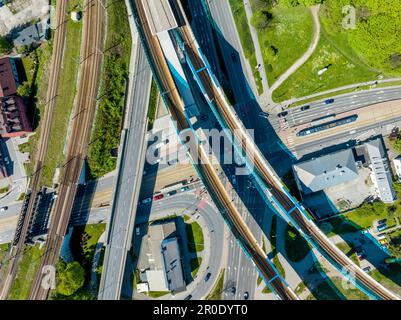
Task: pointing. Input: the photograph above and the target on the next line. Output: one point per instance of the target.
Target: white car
(137, 231)
(147, 200)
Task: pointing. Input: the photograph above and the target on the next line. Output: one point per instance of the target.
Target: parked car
(307, 107)
(137, 231)
(3, 209)
(246, 295)
(282, 114)
(381, 236)
(158, 197)
(6, 160)
(184, 188)
(188, 297)
(232, 291)
(207, 276)
(381, 227)
(171, 193)
(367, 269)
(328, 101)
(382, 221)
(234, 179)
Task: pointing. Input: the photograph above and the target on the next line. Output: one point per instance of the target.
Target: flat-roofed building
(159, 15)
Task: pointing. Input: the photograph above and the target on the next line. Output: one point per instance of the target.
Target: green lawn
(3, 252)
(290, 34)
(216, 292)
(5, 189)
(344, 247)
(241, 22)
(108, 121)
(152, 111)
(390, 278)
(364, 216)
(27, 268)
(195, 237)
(65, 99)
(157, 294)
(344, 68)
(83, 243)
(195, 264)
(334, 290)
(266, 290)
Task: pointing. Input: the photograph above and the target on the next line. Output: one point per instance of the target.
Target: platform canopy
(159, 15)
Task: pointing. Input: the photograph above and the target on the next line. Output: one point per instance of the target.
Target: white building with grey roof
(345, 178)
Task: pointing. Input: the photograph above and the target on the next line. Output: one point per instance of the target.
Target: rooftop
(326, 171)
(159, 15)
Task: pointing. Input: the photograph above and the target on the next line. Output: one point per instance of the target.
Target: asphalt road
(343, 103)
(128, 182)
(187, 203)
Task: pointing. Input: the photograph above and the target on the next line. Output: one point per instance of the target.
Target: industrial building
(344, 179)
(162, 267)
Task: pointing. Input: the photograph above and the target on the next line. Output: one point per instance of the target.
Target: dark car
(171, 193)
(184, 188)
(232, 291)
(263, 114)
(234, 56)
(246, 295)
(207, 276)
(328, 101)
(188, 297)
(303, 108)
(282, 114)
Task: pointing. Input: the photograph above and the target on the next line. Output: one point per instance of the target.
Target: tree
(395, 246)
(261, 19)
(70, 279)
(24, 90)
(5, 45)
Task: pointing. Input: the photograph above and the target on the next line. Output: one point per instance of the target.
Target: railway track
(51, 98)
(272, 183)
(93, 24)
(210, 177)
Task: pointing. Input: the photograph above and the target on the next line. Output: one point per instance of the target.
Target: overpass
(167, 74)
(268, 183)
(131, 161)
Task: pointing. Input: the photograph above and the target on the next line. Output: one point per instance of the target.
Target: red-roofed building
(8, 77)
(13, 118)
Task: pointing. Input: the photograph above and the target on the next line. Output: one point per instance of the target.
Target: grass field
(217, 291)
(195, 237)
(152, 111)
(290, 34)
(335, 290)
(108, 121)
(157, 294)
(344, 247)
(344, 68)
(195, 264)
(27, 268)
(241, 22)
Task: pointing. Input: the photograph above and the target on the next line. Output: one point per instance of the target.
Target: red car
(158, 197)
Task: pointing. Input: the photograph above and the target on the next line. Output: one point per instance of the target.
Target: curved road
(188, 203)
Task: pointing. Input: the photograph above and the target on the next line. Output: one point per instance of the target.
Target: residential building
(8, 77)
(32, 34)
(13, 117)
